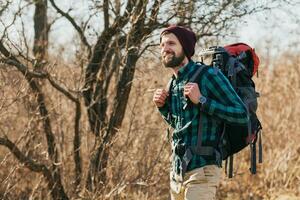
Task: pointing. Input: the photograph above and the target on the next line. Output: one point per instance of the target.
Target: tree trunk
(98, 164)
(40, 31)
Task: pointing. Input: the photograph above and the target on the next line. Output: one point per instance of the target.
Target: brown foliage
(49, 108)
(138, 168)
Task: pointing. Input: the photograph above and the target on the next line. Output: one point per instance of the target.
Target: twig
(28, 162)
(78, 29)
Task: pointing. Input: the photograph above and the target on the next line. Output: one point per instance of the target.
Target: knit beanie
(186, 37)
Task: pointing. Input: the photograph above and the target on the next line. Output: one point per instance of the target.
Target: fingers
(189, 88)
(191, 85)
(160, 96)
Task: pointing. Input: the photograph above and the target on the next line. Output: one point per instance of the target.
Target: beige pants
(199, 184)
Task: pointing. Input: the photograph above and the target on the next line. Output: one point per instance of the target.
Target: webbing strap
(230, 173)
(187, 157)
(230, 66)
(253, 158)
(199, 149)
(169, 85)
(199, 140)
(259, 148)
(197, 73)
(226, 166)
(251, 144)
(203, 150)
(189, 152)
(169, 98)
(229, 161)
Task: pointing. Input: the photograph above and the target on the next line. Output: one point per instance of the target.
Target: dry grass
(139, 161)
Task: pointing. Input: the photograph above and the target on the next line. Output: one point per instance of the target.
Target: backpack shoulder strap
(199, 149)
(199, 71)
(169, 98)
(169, 85)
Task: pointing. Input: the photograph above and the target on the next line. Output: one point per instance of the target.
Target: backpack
(239, 63)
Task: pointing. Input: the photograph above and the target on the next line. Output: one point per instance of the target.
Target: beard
(174, 61)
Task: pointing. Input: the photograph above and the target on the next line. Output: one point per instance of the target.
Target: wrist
(202, 100)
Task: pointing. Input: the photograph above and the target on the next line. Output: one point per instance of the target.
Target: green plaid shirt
(223, 105)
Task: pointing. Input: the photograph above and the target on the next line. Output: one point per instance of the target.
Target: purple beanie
(186, 37)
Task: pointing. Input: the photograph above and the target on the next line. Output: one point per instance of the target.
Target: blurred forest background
(76, 81)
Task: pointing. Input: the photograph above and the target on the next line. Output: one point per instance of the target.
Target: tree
(128, 29)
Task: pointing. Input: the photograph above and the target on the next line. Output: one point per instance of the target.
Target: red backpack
(239, 48)
(238, 62)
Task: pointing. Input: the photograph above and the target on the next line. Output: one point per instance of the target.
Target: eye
(171, 43)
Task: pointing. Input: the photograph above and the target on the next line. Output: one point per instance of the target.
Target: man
(212, 95)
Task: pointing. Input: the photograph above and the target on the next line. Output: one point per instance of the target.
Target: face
(172, 54)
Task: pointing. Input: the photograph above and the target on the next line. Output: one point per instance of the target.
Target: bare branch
(6, 27)
(43, 111)
(86, 23)
(4, 6)
(28, 162)
(56, 190)
(62, 89)
(154, 12)
(12, 60)
(146, 47)
(22, 68)
(77, 138)
(77, 28)
(94, 66)
(25, 41)
(77, 146)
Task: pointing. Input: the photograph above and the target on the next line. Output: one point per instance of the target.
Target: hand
(159, 97)
(191, 90)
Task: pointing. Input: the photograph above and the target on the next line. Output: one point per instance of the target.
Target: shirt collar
(183, 72)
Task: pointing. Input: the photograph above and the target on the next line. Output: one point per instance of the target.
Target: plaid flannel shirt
(223, 105)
